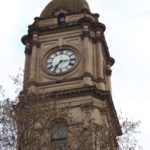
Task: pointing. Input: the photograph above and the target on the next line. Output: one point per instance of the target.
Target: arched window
(59, 135)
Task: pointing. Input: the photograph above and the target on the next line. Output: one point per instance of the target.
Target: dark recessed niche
(61, 19)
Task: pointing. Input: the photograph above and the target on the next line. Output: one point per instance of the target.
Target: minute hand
(66, 60)
(63, 62)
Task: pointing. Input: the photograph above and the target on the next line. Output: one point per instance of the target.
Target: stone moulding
(91, 90)
(30, 83)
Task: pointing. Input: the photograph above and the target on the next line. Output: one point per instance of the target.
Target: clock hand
(68, 59)
(58, 63)
(62, 62)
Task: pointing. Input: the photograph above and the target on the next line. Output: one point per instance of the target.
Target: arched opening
(59, 135)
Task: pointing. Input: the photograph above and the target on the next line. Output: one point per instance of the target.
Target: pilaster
(108, 76)
(88, 55)
(27, 63)
(100, 60)
(34, 56)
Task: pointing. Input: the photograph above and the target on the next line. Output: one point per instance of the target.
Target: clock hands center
(64, 63)
(61, 62)
(58, 63)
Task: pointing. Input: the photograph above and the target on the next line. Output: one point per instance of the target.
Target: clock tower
(66, 102)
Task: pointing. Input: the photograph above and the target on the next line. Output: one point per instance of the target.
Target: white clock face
(60, 61)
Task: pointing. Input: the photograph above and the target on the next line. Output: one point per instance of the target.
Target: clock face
(60, 61)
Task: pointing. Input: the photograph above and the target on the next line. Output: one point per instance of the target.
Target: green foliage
(64, 3)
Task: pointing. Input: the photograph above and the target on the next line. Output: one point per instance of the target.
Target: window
(61, 19)
(59, 135)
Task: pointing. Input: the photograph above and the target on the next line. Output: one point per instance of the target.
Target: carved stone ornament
(28, 50)
(108, 71)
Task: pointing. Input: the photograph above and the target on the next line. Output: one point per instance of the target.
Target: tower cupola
(64, 6)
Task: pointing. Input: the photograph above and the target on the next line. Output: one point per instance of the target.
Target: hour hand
(58, 63)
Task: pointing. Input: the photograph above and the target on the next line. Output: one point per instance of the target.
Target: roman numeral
(70, 54)
(61, 51)
(59, 70)
(58, 53)
(50, 67)
(64, 52)
(48, 63)
(71, 64)
(64, 69)
(72, 59)
(52, 56)
(55, 68)
(49, 60)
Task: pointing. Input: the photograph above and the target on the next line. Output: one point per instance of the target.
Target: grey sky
(127, 35)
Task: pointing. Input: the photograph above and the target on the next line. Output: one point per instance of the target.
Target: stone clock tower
(66, 102)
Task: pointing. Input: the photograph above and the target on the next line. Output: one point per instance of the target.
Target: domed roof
(71, 6)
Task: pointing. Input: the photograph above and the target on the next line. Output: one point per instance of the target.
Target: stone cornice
(91, 90)
(100, 27)
(86, 21)
(33, 29)
(30, 83)
(95, 26)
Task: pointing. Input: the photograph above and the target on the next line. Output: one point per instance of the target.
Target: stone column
(108, 74)
(87, 56)
(34, 57)
(88, 53)
(27, 63)
(99, 60)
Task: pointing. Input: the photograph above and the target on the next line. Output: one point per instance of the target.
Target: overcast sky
(127, 35)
